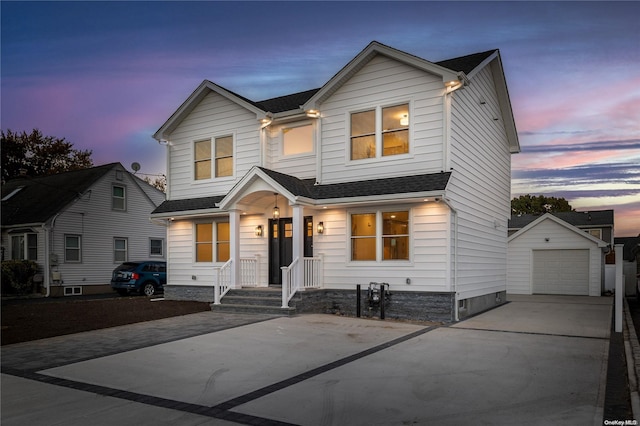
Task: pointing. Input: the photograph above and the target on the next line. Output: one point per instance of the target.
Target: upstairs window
(118, 198)
(213, 158)
(202, 163)
(380, 132)
(297, 140)
(224, 156)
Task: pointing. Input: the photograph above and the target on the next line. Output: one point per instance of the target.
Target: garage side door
(561, 272)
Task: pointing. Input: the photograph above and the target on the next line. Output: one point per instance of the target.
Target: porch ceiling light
(276, 210)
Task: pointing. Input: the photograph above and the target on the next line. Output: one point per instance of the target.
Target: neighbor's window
(118, 198)
(297, 140)
(596, 233)
(156, 247)
(392, 237)
(224, 156)
(72, 248)
(204, 242)
(202, 160)
(390, 131)
(120, 248)
(24, 246)
(395, 235)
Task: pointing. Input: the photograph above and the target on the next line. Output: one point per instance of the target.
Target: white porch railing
(221, 281)
(249, 273)
(311, 277)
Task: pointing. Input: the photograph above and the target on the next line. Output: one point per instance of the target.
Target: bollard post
(381, 301)
(619, 288)
(358, 307)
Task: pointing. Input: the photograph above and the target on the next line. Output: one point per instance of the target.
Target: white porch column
(298, 244)
(234, 247)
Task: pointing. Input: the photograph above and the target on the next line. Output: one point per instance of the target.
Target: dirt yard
(25, 320)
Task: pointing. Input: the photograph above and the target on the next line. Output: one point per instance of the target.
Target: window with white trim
(156, 247)
(213, 157)
(380, 236)
(212, 242)
(595, 233)
(297, 140)
(379, 132)
(120, 250)
(72, 248)
(118, 197)
(24, 246)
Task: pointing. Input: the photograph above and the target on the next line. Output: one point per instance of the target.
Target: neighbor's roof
(308, 189)
(578, 219)
(37, 199)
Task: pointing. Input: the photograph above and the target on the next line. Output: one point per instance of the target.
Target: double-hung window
(213, 158)
(210, 236)
(72, 248)
(118, 197)
(297, 140)
(156, 247)
(380, 236)
(120, 249)
(380, 132)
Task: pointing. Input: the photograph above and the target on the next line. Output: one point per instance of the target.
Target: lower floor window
(24, 247)
(72, 248)
(120, 249)
(206, 235)
(380, 236)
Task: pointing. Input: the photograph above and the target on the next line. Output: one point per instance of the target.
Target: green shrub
(18, 275)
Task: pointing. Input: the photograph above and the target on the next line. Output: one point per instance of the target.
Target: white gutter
(48, 247)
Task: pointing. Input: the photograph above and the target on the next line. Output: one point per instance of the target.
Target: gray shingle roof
(42, 197)
(579, 219)
(307, 188)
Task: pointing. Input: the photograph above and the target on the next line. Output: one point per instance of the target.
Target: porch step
(254, 300)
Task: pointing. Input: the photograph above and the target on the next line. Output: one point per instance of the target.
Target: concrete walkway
(536, 360)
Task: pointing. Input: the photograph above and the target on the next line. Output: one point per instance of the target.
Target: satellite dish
(135, 167)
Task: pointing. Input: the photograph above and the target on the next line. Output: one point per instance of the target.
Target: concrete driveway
(536, 360)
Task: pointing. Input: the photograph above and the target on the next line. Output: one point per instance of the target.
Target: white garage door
(561, 272)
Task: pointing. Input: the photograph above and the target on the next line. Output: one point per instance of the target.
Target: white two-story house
(396, 171)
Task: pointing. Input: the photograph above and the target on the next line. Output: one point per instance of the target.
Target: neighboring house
(78, 226)
(630, 263)
(397, 170)
(559, 253)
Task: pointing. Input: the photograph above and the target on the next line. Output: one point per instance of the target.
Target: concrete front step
(263, 300)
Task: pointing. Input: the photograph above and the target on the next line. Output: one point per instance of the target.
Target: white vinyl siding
(384, 82)
(214, 117)
(479, 187)
(92, 218)
(521, 271)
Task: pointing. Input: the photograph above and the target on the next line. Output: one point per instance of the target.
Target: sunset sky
(106, 75)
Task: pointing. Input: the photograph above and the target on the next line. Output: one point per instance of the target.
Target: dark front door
(281, 245)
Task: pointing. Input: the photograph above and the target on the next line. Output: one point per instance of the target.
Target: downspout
(455, 256)
(48, 248)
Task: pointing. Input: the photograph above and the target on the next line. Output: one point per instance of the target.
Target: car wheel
(148, 289)
(122, 291)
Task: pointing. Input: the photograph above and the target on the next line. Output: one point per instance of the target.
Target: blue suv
(146, 277)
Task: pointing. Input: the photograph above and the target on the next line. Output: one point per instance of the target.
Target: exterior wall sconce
(320, 227)
(258, 231)
(276, 210)
(312, 113)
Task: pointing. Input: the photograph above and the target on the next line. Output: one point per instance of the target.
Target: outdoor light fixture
(320, 227)
(276, 210)
(258, 231)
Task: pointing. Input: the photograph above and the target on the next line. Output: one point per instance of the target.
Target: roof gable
(568, 226)
(42, 197)
(365, 56)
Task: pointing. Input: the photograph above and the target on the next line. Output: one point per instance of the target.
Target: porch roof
(308, 189)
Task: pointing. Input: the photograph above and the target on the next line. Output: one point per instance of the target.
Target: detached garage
(551, 256)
